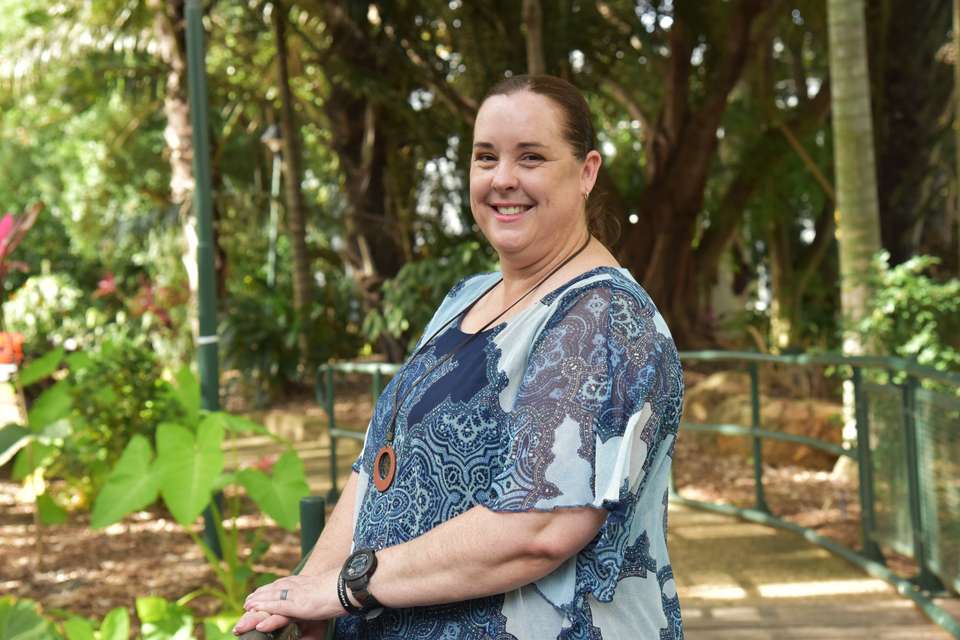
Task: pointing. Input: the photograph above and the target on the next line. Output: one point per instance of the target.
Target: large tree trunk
(679, 149)
(857, 215)
(858, 228)
(907, 39)
(533, 23)
(377, 238)
(296, 210)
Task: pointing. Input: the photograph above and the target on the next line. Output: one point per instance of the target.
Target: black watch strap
(355, 577)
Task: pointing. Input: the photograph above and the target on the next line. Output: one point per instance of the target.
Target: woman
(513, 482)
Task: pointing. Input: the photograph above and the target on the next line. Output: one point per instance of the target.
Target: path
(737, 580)
(745, 581)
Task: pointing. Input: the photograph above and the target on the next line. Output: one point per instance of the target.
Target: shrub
(117, 392)
(912, 315)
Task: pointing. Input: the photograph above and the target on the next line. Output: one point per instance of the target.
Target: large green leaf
(220, 627)
(187, 392)
(13, 437)
(20, 620)
(132, 485)
(52, 405)
(278, 495)
(34, 455)
(116, 625)
(163, 620)
(188, 467)
(50, 511)
(238, 424)
(79, 629)
(41, 368)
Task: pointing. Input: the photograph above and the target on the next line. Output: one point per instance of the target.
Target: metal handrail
(869, 556)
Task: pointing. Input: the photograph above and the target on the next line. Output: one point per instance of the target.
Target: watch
(355, 575)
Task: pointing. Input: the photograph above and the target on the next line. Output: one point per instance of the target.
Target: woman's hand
(306, 598)
(312, 630)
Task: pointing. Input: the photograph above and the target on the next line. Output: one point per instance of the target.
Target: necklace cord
(398, 401)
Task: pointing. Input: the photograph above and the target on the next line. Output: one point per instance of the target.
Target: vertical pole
(757, 440)
(207, 356)
(377, 385)
(312, 520)
(333, 494)
(273, 230)
(868, 521)
(925, 579)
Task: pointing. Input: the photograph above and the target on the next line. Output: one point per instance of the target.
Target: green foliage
(21, 620)
(259, 331)
(280, 493)
(187, 474)
(132, 485)
(160, 619)
(116, 392)
(410, 298)
(47, 310)
(913, 316)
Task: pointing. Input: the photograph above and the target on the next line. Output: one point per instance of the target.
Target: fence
(907, 455)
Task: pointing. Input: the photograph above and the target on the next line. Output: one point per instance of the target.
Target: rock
(724, 398)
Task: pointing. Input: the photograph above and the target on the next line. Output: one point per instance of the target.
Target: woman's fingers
(249, 621)
(272, 623)
(268, 592)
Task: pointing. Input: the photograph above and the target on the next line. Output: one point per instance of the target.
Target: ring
(283, 594)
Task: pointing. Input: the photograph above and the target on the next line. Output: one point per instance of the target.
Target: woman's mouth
(510, 212)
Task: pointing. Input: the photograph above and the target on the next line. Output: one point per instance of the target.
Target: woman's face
(526, 186)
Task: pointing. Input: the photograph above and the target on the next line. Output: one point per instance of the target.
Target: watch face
(358, 565)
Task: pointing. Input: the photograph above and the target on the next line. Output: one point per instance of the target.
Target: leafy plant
(160, 619)
(913, 315)
(410, 298)
(184, 469)
(37, 443)
(116, 392)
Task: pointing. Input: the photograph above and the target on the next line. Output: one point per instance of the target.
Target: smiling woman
(513, 481)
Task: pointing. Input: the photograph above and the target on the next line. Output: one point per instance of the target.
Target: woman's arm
(329, 552)
(478, 553)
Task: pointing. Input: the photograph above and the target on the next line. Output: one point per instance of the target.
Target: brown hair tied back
(577, 131)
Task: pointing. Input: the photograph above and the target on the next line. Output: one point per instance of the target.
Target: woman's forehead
(521, 115)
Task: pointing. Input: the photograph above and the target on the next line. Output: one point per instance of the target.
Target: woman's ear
(590, 171)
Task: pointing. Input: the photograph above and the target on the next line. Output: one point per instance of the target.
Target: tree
(296, 210)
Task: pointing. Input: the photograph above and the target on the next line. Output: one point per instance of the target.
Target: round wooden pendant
(384, 468)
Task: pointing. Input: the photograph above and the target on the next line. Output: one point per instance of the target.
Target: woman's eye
(531, 158)
(484, 157)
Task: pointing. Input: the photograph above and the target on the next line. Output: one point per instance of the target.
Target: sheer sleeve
(600, 391)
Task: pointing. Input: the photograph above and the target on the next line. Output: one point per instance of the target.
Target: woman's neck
(520, 275)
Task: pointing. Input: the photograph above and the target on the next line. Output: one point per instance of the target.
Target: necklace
(385, 463)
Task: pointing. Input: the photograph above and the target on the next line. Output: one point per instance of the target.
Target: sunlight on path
(750, 582)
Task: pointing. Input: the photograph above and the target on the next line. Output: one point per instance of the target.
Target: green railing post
(334, 493)
(925, 578)
(868, 519)
(757, 438)
(312, 520)
(377, 385)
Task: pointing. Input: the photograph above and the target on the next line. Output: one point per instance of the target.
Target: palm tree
(857, 214)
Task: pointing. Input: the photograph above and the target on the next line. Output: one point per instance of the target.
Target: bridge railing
(907, 454)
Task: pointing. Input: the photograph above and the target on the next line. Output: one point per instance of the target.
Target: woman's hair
(578, 131)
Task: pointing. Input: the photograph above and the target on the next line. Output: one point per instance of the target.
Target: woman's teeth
(511, 211)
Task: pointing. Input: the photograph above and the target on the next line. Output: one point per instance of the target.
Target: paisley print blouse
(573, 402)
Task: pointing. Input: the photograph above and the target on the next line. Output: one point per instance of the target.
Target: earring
(586, 195)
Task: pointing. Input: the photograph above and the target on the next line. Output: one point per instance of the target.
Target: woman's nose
(504, 178)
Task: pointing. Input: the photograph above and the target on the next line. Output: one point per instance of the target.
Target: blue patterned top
(573, 402)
